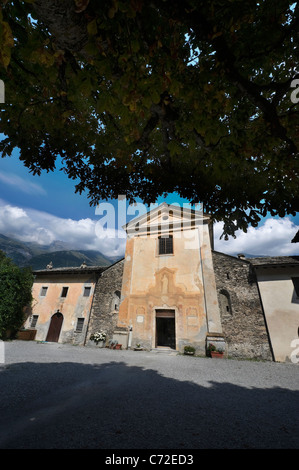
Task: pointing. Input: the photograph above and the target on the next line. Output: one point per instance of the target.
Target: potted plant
(215, 352)
(26, 335)
(138, 347)
(99, 338)
(189, 350)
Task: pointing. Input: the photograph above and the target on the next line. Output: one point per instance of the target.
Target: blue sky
(45, 208)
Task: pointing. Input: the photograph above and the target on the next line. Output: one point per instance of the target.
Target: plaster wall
(73, 306)
(281, 307)
(185, 262)
(172, 282)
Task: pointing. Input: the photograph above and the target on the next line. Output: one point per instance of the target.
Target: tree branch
(68, 27)
(204, 30)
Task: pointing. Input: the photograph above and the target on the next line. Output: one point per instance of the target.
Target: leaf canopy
(149, 98)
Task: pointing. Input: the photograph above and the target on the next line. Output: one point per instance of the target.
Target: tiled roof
(274, 261)
(72, 270)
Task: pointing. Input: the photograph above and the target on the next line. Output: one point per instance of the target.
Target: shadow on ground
(116, 406)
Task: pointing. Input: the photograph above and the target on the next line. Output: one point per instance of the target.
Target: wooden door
(55, 327)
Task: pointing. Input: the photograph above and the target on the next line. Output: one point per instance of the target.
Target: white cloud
(21, 184)
(272, 238)
(30, 225)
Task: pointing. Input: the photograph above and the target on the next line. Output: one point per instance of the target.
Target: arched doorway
(224, 303)
(55, 327)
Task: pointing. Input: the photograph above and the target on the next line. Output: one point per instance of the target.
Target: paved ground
(63, 396)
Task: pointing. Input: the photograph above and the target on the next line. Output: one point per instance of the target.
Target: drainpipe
(130, 337)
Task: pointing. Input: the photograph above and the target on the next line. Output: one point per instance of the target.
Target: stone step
(164, 350)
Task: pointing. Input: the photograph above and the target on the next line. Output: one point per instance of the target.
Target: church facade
(172, 289)
(169, 296)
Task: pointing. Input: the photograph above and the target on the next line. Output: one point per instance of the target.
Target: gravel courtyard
(57, 396)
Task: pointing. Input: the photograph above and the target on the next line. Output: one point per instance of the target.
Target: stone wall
(242, 317)
(106, 300)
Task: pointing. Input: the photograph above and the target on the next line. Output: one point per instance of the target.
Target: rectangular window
(80, 323)
(64, 291)
(87, 291)
(43, 291)
(166, 245)
(33, 321)
(296, 285)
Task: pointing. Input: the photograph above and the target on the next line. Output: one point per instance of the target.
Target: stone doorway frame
(173, 315)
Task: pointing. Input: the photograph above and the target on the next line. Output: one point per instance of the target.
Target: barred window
(34, 321)
(165, 245)
(80, 323)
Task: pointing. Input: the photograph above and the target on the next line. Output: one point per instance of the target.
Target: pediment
(164, 219)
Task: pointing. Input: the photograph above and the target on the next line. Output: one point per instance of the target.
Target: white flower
(98, 336)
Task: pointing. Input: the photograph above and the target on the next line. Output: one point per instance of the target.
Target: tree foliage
(15, 294)
(148, 98)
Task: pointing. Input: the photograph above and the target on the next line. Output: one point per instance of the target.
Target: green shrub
(189, 349)
(15, 294)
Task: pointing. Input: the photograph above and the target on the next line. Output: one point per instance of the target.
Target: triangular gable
(165, 218)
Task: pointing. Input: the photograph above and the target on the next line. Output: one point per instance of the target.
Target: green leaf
(92, 27)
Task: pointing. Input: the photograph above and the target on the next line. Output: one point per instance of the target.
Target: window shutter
(161, 246)
(169, 245)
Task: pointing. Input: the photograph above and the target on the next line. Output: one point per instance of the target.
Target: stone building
(242, 316)
(106, 301)
(173, 289)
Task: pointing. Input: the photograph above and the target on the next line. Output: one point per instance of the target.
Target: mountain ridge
(37, 256)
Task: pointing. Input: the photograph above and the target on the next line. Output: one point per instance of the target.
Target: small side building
(62, 300)
(278, 284)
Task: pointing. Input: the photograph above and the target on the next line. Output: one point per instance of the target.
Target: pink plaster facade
(67, 291)
(164, 296)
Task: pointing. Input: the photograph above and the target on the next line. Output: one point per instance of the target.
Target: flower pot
(118, 346)
(26, 335)
(216, 354)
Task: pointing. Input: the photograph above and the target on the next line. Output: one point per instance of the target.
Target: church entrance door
(165, 328)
